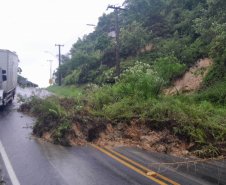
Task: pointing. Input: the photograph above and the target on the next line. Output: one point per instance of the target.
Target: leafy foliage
(20, 78)
(166, 37)
(139, 82)
(169, 67)
(54, 115)
(181, 31)
(133, 39)
(215, 94)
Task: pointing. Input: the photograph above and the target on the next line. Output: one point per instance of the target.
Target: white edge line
(8, 165)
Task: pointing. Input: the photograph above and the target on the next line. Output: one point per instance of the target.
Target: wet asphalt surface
(36, 162)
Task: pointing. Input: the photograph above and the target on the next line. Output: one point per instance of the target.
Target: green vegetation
(68, 91)
(20, 78)
(180, 32)
(54, 114)
(201, 118)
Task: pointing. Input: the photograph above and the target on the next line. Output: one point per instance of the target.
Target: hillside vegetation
(159, 41)
(20, 78)
(181, 31)
(65, 91)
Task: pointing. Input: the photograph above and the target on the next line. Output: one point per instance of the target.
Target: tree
(144, 11)
(19, 70)
(133, 38)
(20, 78)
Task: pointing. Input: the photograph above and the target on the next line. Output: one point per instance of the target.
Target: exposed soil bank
(191, 79)
(146, 133)
(150, 135)
(140, 136)
(64, 121)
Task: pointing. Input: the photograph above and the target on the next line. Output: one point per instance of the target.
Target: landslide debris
(85, 128)
(192, 79)
(166, 126)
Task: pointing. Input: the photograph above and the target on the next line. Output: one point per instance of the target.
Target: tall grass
(215, 94)
(67, 91)
(201, 117)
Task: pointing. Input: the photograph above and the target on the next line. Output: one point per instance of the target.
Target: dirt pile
(83, 127)
(192, 78)
(61, 122)
(86, 129)
(142, 136)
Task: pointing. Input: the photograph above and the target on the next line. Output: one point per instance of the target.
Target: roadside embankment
(68, 125)
(192, 78)
(177, 129)
(134, 111)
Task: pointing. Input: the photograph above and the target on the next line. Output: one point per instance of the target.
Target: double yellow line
(152, 173)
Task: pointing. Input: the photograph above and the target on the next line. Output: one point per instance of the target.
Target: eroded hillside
(192, 79)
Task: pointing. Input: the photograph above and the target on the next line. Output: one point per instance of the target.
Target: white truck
(8, 76)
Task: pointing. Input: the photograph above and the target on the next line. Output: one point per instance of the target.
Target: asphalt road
(36, 162)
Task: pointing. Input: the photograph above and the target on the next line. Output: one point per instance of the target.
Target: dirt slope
(192, 78)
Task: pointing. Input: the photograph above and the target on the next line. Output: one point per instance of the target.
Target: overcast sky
(31, 27)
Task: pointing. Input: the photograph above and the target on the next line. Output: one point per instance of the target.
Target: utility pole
(117, 38)
(50, 69)
(59, 76)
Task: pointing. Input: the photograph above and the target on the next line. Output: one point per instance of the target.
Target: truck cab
(8, 76)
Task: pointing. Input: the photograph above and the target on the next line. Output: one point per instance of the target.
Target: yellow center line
(129, 165)
(143, 167)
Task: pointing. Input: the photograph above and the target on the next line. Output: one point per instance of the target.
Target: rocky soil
(139, 135)
(132, 133)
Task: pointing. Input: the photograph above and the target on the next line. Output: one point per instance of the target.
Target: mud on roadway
(87, 128)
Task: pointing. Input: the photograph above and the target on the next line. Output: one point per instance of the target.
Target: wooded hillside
(160, 40)
(181, 31)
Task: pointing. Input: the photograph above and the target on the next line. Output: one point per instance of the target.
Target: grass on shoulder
(67, 91)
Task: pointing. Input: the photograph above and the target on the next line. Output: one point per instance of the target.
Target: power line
(53, 50)
(80, 34)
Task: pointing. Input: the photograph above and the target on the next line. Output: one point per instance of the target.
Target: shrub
(139, 82)
(169, 67)
(73, 78)
(215, 94)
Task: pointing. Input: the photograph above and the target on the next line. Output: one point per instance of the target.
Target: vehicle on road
(8, 76)
(27, 83)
